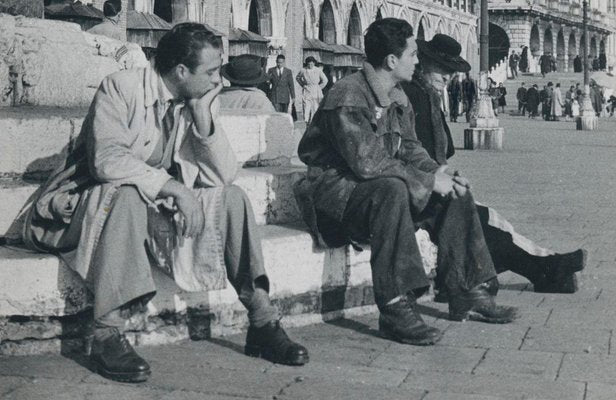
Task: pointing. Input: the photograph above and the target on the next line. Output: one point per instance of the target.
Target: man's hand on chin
(201, 113)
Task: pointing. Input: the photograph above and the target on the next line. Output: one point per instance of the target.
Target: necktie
(279, 73)
(169, 121)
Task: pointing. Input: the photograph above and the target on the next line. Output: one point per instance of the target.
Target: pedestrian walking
(532, 101)
(282, 89)
(469, 95)
(569, 97)
(557, 103)
(513, 64)
(521, 97)
(494, 94)
(545, 64)
(502, 97)
(454, 90)
(313, 81)
(577, 64)
(524, 60)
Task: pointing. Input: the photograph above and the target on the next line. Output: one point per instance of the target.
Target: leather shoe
(114, 358)
(478, 305)
(559, 273)
(272, 343)
(401, 322)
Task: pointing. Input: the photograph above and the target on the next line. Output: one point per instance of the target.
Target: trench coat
(118, 136)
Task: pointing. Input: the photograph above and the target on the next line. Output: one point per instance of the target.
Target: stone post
(587, 121)
(484, 132)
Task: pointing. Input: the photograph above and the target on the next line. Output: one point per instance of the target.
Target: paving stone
(507, 387)
(600, 391)
(10, 383)
(477, 334)
(434, 358)
(44, 366)
(556, 339)
(311, 389)
(589, 367)
(519, 363)
(458, 396)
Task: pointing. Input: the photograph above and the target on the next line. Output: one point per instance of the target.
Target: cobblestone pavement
(555, 184)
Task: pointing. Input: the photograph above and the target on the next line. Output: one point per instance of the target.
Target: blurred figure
(469, 95)
(532, 101)
(244, 72)
(313, 81)
(557, 103)
(282, 91)
(454, 90)
(110, 26)
(521, 97)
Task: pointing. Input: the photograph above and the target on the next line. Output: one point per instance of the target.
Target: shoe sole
(132, 377)
(571, 269)
(424, 342)
(258, 352)
(477, 317)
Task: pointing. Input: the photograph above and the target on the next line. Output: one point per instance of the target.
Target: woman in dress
(312, 80)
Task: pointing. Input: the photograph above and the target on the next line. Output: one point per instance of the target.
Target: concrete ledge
(35, 140)
(42, 302)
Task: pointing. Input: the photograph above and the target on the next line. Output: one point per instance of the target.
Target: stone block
(28, 8)
(430, 359)
(483, 138)
(556, 339)
(589, 368)
(510, 363)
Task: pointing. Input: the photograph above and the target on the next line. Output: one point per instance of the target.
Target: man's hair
(522, 83)
(550, 84)
(280, 57)
(182, 44)
(111, 8)
(558, 84)
(384, 37)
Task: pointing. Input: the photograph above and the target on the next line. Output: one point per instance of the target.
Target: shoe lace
(125, 344)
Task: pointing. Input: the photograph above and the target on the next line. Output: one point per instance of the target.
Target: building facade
(287, 23)
(551, 26)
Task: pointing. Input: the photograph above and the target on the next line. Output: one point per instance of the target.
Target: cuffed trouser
(509, 256)
(121, 273)
(379, 212)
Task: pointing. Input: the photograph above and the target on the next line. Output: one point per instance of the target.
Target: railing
(499, 72)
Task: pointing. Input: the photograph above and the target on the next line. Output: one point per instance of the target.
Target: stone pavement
(554, 184)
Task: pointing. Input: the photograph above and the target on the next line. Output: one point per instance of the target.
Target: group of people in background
(460, 97)
(555, 105)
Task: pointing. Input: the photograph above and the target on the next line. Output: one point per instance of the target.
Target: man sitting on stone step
(549, 272)
(370, 181)
(151, 150)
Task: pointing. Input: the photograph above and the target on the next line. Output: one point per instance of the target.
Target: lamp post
(587, 121)
(484, 132)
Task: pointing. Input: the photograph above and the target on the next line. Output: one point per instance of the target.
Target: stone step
(35, 139)
(270, 190)
(42, 301)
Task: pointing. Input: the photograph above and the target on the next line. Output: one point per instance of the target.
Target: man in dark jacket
(521, 96)
(370, 181)
(469, 95)
(282, 92)
(548, 271)
(532, 101)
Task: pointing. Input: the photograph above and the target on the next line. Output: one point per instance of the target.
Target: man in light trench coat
(151, 136)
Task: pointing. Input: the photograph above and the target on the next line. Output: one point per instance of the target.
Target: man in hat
(370, 181)
(110, 26)
(151, 149)
(548, 271)
(282, 91)
(244, 72)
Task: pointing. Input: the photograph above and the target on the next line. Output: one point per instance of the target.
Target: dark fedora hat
(244, 70)
(445, 51)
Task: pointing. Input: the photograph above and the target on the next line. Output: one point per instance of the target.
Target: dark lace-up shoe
(401, 322)
(272, 343)
(478, 305)
(114, 358)
(559, 273)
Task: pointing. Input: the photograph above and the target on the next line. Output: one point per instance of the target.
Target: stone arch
(548, 43)
(572, 50)
(423, 27)
(592, 51)
(535, 41)
(327, 23)
(354, 32)
(561, 55)
(260, 17)
(498, 45)
(440, 27)
(310, 19)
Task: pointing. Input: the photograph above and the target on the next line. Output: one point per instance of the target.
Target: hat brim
(224, 70)
(454, 64)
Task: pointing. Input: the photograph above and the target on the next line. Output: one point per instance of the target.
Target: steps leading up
(35, 139)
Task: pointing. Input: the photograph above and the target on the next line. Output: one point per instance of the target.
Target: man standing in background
(282, 92)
